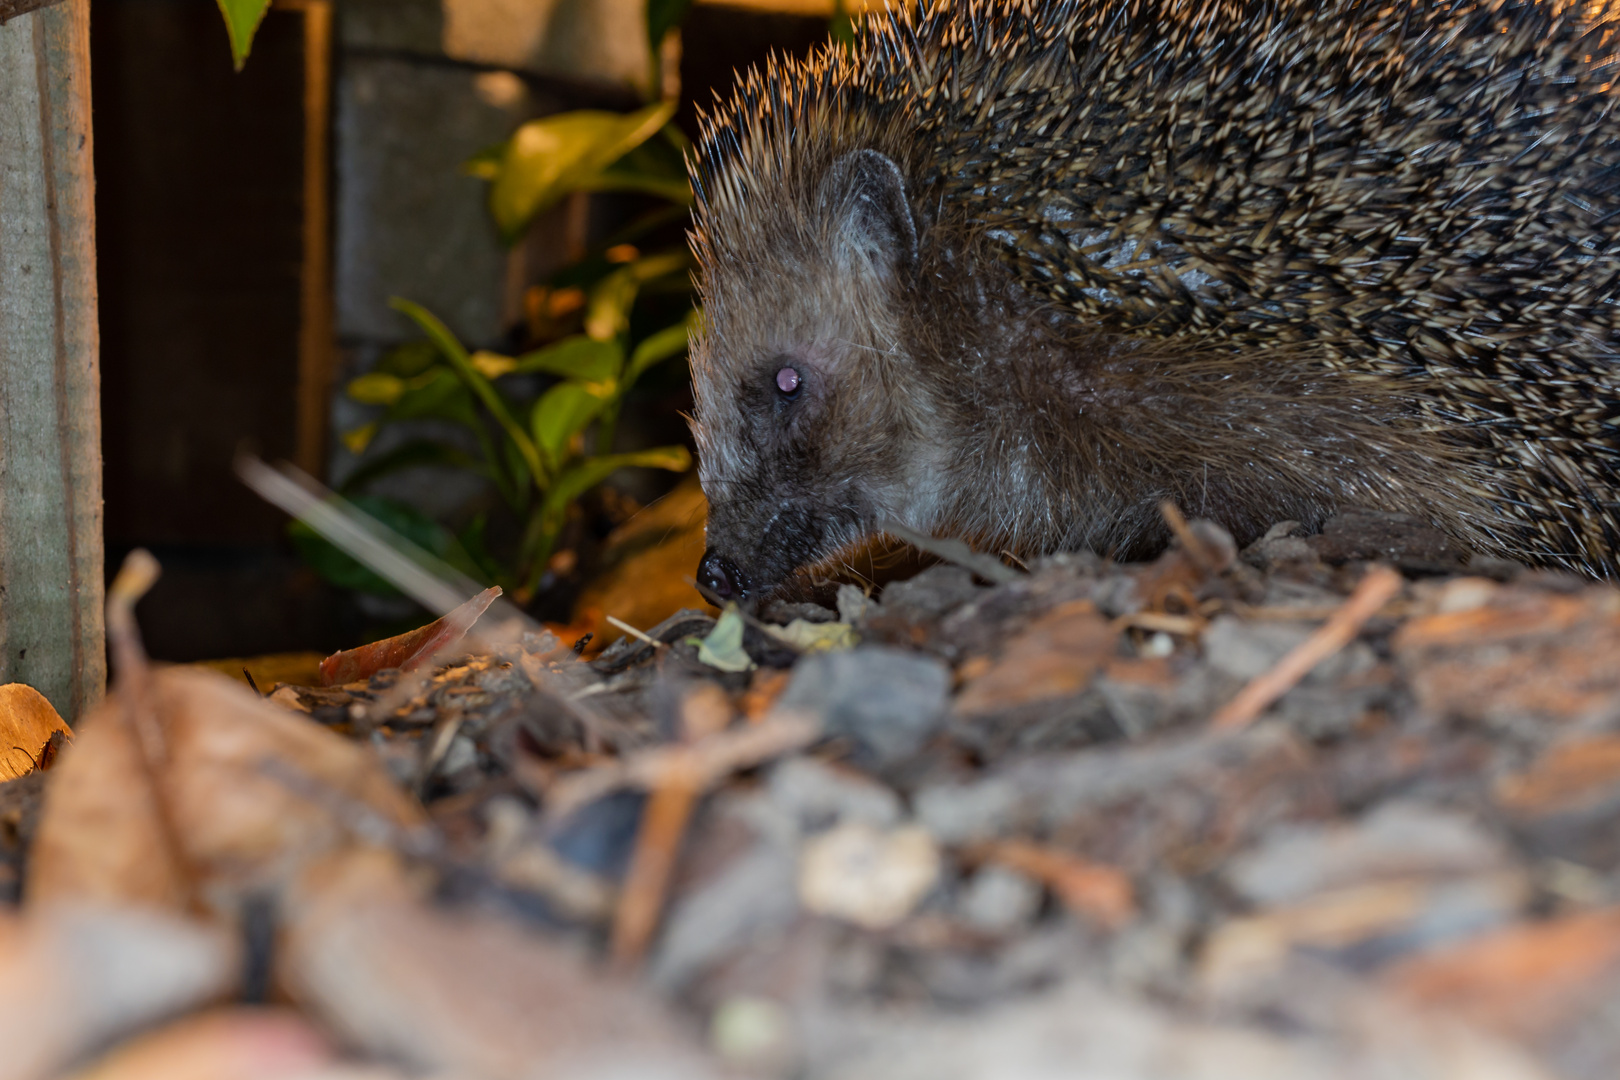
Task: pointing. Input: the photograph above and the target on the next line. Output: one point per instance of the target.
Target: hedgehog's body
(1031, 268)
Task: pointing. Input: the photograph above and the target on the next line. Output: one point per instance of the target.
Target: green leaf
(242, 18)
(436, 395)
(564, 410)
(456, 353)
(411, 455)
(486, 164)
(473, 541)
(411, 358)
(377, 388)
(723, 648)
(588, 472)
(549, 157)
(657, 347)
(341, 569)
(577, 357)
(656, 167)
(607, 312)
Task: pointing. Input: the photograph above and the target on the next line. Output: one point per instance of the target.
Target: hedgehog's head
(811, 416)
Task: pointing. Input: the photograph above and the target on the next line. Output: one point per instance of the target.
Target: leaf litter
(1311, 810)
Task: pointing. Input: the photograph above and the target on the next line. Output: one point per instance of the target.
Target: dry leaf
(76, 977)
(472, 995)
(27, 721)
(225, 1044)
(1054, 658)
(410, 650)
(254, 792)
(1521, 980)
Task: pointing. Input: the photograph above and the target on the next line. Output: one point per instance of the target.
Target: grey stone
(854, 605)
(930, 594)
(1245, 650)
(997, 900)
(887, 700)
(753, 897)
(817, 795)
(410, 223)
(410, 26)
(1398, 840)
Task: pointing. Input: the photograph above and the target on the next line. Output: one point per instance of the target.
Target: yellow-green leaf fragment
(242, 19)
(723, 648)
(492, 365)
(809, 637)
(359, 438)
(376, 389)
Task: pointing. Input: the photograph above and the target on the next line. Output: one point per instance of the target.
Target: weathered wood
(10, 9)
(50, 422)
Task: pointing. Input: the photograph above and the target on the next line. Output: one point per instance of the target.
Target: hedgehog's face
(805, 441)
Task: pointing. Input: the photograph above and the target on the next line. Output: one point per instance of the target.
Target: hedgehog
(1019, 272)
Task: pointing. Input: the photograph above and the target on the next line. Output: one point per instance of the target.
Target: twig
(138, 709)
(1377, 588)
(988, 567)
(640, 635)
(1195, 548)
(663, 825)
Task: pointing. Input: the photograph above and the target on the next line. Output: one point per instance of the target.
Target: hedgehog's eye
(788, 382)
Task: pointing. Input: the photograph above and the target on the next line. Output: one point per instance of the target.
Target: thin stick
(633, 632)
(663, 825)
(1376, 589)
(1190, 543)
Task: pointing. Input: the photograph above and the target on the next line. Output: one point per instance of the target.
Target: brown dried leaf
(73, 978)
(255, 792)
(224, 1044)
(27, 722)
(472, 995)
(1054, 658)
(1564, 777)
(406, 651)
(1521, 980)
(1092, 889)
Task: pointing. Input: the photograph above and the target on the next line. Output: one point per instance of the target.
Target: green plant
(536, 454)
(242, 18)
(542, 452)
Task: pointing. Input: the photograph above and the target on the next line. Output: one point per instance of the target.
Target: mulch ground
(1336, 806)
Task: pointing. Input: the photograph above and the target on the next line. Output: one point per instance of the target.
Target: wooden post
(50, 412)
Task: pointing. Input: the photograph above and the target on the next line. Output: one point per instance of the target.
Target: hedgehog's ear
(867, 192)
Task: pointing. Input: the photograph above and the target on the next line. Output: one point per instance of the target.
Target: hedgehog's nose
(720, 576)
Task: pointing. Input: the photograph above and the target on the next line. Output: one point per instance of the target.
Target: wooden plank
(50, 423)
(315, 314)
(10, 9)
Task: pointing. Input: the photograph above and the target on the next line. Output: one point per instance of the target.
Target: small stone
(999, 901)
(817, 795)
(888, 700)
(853, 605)
(867, 876)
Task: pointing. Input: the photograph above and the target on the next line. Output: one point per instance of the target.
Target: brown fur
(1415, 317)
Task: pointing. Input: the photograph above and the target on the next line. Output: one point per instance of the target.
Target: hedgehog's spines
(1423, 191)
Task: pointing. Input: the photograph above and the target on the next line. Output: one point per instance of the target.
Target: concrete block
(409, 221)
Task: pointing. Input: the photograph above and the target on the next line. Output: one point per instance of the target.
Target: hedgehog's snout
(720, 576)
